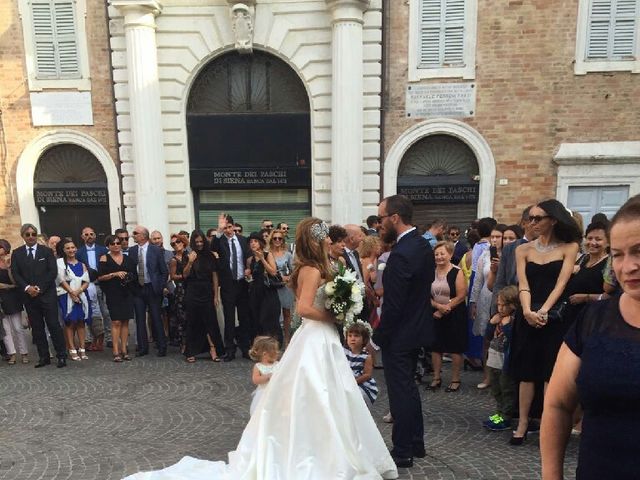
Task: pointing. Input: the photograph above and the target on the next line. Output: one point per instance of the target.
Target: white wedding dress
(311, 422)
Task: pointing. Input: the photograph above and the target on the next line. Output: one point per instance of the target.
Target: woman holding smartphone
(480, 300)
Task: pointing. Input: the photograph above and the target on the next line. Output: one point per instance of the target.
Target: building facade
(167, 113)
(59, 155)
(267, 109)
(489, 106)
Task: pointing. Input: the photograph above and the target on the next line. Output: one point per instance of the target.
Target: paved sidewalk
(100, 420)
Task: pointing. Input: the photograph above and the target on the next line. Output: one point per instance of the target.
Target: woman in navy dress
(544, 267)
(597, 367)
(72, 282)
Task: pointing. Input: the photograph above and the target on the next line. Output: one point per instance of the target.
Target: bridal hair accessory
(319, 231)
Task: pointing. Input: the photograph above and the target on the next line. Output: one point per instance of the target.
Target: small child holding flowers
(265, 352)
(357, 335)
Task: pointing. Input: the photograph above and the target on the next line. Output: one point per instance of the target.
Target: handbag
(273, 281)
(555, 313)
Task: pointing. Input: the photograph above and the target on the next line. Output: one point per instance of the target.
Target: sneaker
(496, 423)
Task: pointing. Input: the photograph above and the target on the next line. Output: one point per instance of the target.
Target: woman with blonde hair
(284, 265)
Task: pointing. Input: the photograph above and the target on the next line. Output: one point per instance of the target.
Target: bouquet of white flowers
(344, 295)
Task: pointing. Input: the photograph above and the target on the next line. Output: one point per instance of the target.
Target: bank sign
(71, 196)
(269, 177)
(462, 193)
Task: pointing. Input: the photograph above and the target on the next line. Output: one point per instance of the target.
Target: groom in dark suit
(233, 251)
(406, 323)
(35, 270)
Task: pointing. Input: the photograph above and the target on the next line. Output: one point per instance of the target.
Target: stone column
(144, 104)
(347, 110)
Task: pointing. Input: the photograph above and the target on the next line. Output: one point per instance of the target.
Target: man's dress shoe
(61, 363)
(43, 363)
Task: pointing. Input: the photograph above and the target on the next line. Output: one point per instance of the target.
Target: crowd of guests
(505, 299)
(81, 298)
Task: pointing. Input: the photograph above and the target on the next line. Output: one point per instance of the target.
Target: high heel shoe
(214, 354)
(436, 383)
(450, 388)
(517, 441)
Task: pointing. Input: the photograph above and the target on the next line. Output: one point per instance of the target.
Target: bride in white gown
(311, 422)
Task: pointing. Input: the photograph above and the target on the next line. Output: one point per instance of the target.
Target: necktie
(141, 266)
(31, 256)
(234, 258)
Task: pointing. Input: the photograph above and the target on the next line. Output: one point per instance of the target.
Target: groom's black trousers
(404, 400)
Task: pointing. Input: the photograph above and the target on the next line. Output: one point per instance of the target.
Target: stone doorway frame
(455, 128)
(30, 156)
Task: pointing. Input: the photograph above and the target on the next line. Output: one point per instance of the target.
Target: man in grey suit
(152, 278)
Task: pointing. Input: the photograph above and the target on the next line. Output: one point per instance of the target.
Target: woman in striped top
(357, 335)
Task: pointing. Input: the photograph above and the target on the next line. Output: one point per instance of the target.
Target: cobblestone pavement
(100, 420)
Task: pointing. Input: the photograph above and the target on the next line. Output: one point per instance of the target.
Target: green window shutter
(612, 29)
(624, 30)
(43, 31)
(55, 39)
(453, 51)
(442, 28)
(66, 39)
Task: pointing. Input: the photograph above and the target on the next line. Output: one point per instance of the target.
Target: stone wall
(529, 100)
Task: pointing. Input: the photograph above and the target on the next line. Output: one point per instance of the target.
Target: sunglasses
(268, 226)
(90, 234)
(284, 228)
(114, 243)
(30, 234)
(537, 218)
(124, 239)
(454, 234)
(173, 244)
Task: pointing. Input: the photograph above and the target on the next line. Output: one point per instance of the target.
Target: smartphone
(493, 252)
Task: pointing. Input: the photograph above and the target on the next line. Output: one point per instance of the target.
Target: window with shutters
(608, 36)
(442, 39)
(55, 44)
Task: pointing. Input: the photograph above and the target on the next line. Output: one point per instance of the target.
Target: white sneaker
(482, 386)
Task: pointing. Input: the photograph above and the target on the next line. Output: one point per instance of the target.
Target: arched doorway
(249, 136)
(439, 173)
(70, 192)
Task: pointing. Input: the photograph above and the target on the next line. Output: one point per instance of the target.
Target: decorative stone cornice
(152, 6)
(347, 10)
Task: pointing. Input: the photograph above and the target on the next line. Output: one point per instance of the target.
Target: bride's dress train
(310, 424)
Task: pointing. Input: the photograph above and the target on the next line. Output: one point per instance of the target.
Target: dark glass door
(68, 221)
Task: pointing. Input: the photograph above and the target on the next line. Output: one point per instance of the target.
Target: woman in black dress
(201, 298)
(448, 294)
(117, 276)
(586, 283)
(544, 267)
(264, 302)
(179, 244)
(597, 367)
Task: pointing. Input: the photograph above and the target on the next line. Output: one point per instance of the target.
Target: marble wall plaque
(449, 100)
(61, 108)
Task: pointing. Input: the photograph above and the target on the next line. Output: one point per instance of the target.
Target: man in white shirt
(90, 254)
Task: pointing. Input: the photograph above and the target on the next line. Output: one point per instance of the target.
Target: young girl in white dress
(311, 421)
(265, 352)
